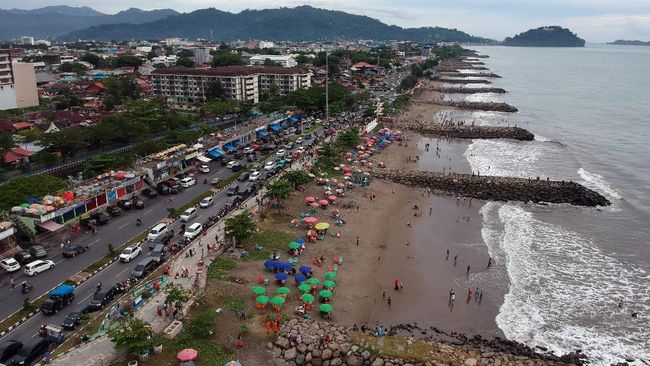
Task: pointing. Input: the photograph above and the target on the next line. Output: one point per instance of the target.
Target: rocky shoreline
(468, 131)
(464, 81)
(467, 90)
(314, 343)
(482, 106)
(497, 188)
(464, 74)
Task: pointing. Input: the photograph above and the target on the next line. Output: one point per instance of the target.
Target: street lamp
(327, 87)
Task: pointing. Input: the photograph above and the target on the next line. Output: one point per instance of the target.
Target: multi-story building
(17, 83)
(282, 60)
(186, 85)
(27, 40)
(202, 55)
(7, 90)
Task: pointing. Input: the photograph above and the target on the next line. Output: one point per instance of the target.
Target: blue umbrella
(300, 278)
(300, 241)
(281, 276)
(285, 266)
(269, 263)
(31, 200)
(305, 269)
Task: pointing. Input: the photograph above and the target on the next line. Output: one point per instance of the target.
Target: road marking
(198, 217)
(85, 298)
(122, 227)
(119, 274)
(59, 261)
(96, 240)
(147, 212)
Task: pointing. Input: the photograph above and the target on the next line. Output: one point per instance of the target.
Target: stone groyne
(473, 74)
(464, 81)
(481, 106)
(468, 131)
(497, 188)
(467, 90)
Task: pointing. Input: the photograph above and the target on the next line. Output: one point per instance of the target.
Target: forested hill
(552, 36)
(302, 23)
(625, 42)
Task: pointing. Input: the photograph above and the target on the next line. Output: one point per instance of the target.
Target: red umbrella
(309, 220)
(346, 169)
(310, 199)
(324, 202)
(332, 198)
(68, 196)
(187, 354)
(315, 205)
(347, 174)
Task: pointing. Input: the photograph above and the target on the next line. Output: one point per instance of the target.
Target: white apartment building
(165, 60)
(7, 89)
(27, 40)
(202, 55)
(68, 59)
(17, 83)
(185, 85)
(266, 44)
(282, 60)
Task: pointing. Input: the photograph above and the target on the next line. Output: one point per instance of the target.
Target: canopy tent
(313, 281)
(50, 225)
(229, 147)
(263, 299)
(325, 293)
(203, 159)
(258, 290)
(293, 245)
(216, 153)
(283, 291)
(277, 300)
(304, 269)
(240, 143)
(303, 287)
(326, 308)
(300, 278)
(261, 133)
(308, 298)
(281, 276)
(330, 275)
(329, 283)
(275, 128)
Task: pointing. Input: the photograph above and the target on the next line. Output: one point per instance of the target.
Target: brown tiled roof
(230, 71)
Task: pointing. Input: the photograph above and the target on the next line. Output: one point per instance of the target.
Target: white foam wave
(598, 183)
(541, 138)
(504, 158)
(564, 289)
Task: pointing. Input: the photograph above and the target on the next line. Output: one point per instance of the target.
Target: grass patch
(271, 241)
(218, 269)
(211, 353)
(234, 304)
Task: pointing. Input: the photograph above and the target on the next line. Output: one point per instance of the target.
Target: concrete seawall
(467, 90)
(469, 132)
(497, 188)
(481, 106)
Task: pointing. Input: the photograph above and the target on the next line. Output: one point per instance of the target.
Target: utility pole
(327, 87)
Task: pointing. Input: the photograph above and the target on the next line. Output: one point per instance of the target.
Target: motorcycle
(138, 222)
(27, 287)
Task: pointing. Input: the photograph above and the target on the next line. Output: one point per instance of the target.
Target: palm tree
(278, 190)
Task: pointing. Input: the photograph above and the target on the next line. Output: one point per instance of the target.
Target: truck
(57, 299)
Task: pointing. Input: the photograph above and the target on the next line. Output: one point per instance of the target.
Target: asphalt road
(117, 231)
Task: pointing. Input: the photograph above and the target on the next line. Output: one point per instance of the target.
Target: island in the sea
(626, 42)
(550, 36)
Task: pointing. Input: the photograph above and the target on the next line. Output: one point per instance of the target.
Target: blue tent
(216, 153)
(240, 143)
(261, 133)
(275, 128)
(300, 278)
(300, 241)
(269, 263)
(228, 147)
(305, 269)
(294, 118)
(281, 276)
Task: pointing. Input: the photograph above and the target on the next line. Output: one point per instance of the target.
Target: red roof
(364, 65)
(16, 154)
(7, 125)
(230, 71)
(22, 125)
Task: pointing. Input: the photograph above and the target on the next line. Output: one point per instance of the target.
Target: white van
(156, 231)
(193, 231)
(189, 214)
(187, 182)
(38, 266)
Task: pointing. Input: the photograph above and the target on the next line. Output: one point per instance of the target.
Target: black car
(144, 267)
(138, 204)
(232, 191)
(37, 251)
(175, 189)
(125, 204)
(32, 350)
(163, 188)
(243, 177)
(237, 155)
(113, 211)
(9, 348)
(72, 320)
(237, 167)
(224, 162)
(23, 257)
(102, 298)
(100, 218)
(149, 193)
(250, 158)
(232, 201)
(74, 250)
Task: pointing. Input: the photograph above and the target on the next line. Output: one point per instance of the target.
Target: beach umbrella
(281, 276)
(233, 363)
(330, 275)
(310, 220)
(283, 291)
(310, 199)
(300, 241)
(277, 300)
(293, 245)
(322, 226)
(24, 205)
(329, 283)
(269, 263)
(324, 202)
(308, 298)
(314, 205)
(263, 299)
(325, 293)
(188, 354)
(303, 287)
(326, 308)
(313, 281)
(332, 198)
(300, 278)
(304, 269)
(258, 290)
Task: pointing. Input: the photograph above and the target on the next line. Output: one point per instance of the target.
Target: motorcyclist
(99, 286)
(205, 180)
(138, 221)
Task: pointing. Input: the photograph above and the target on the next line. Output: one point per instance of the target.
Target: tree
(185, 62)
(66, 99)
(278, 190)
(408, 82)
(220, 107)
(132, 335)
(297, 178)
(245, 108)
(6, 142)
(226, 58)
(416, 70)
(185, 53)
(73, 67)
(302, 59)
(202, 324)
(176, 295)
(214, 90)
(17, 190)
(240, 227)
(91, 58)
(369, 111)
(349, 139)
(45, 158)
(128, 61)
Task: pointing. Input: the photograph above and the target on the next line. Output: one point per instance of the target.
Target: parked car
(100, 218)
(231, 164)
(299, 140)
(9, 348)
(204, 169)
(138, 204)
(149, 193)
(114, 211)
(289, 146)
(157, 231)
(38, 266)
(232, 191)
(10, 264)
(102, 298)
(72, 320)
(144, 267)
(74, 250)
(254, 176)
(215, 180)
(270, 165)
(281, 153)
(237, 167)
(250, 158)
(243, 177)
(187, 182)
(32, 350)
(61, 296)
(125, 204)
(163, 238)
(158, 253)
(37, 251)
(175, 189)
(130, 252)
(193, 231)
(206, 202)
(232, 201)
(248, 150)
(237, 155)
(23, 257)
(188, 214)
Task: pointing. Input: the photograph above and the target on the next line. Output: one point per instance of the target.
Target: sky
(593, 20)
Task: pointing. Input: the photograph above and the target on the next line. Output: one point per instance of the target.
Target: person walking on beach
(468, 268)
(383, 296)
(451, 293)
(430, 209)
(447, 256)
(455, 259)
(389, 301)
(357, 241)
(489, 262)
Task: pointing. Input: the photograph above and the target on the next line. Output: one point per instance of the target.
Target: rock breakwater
(463, 81)
(467, 90)
(497, 188)
(481, 106)
(468, 131)
(473, 74)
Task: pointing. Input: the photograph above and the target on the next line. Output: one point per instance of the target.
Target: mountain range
(302, 23)
(54, 21)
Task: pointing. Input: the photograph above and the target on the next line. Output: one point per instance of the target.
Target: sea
(565, 270)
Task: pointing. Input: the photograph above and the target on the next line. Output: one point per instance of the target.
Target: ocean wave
(542, 138)
(564, 290)
(598, 183)
(504, 158)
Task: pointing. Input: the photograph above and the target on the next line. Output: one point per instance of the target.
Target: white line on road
(84, 299)
(146, 212)
(60, 261)
(122, 227)
(119, 274)
(96, 240)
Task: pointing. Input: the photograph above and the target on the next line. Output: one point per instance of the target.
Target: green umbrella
(313, 281)
(283, 291)
(259, 290)
(262, 299)
(325, 293)
(330, 275)
(277, 300)
(326, 308)
(329, 283)
(303, 287)
(308, 298)
(293, 245)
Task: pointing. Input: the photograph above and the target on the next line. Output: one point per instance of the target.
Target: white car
(254, 176)
(204, 169)
(231, 164)
(10, 265)
(270, 165)
(187, 182)
(206, 202)
(130, 253)
(193, 231)
(281, 152)
(38, 266)
(248, 150)
(299, 140)
(188, 214)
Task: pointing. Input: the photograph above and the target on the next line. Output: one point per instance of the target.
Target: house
(22, 126)
(95, 88)
(7, 126)
(16, 155)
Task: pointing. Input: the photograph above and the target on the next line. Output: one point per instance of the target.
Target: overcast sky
(593, 20)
